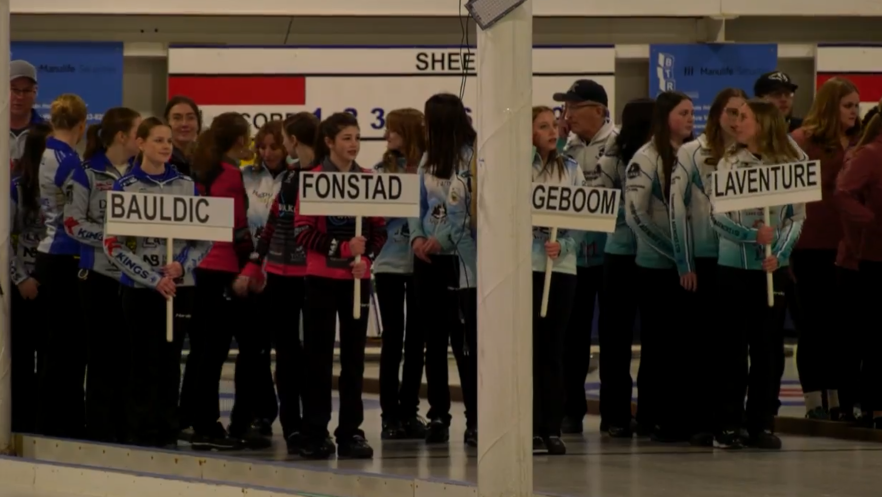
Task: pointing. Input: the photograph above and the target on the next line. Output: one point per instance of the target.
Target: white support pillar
(505, 343)
(5, 284)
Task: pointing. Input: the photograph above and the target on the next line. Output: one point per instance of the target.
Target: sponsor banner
(862, 64)
(269, 83)
(701, 71)
(94, 71)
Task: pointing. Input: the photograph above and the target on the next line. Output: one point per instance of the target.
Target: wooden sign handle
(549, 264)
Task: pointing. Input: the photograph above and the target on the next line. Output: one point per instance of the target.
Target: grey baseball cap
(22, 69)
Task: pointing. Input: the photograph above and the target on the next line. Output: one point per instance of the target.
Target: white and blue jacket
(738, 229)
(58, 164)
(646, 209)
(587, 155)
(444, 214)
(691, 231)
(566, 262)
(261, 188)
(612, 175)
(396, 255)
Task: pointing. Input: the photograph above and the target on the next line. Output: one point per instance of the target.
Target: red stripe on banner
(240, 90)
(869, 85)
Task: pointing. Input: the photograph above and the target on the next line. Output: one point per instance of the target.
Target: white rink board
(372, 81)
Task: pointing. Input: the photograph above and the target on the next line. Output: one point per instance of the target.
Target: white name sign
(359, 194)
(182, 217)
(766, 186)
(575, 207)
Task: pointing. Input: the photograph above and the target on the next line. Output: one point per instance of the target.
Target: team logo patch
(633, 170)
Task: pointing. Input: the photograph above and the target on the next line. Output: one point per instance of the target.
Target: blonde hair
(67, 112)
(410, 124)
(771, 134)
(873, 127)
(553, 158)
(822, 125)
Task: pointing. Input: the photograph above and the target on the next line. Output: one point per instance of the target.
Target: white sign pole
(770, 280)
(356, 294)
(549, 265)
(170, 302)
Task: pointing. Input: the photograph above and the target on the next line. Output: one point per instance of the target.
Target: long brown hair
(665, 103)
(872, 126)
(716, 137)
(822, 124)
(101, 136)
(213, 144)
(410, 125)
(554, 159)
(270, 128)
(771, 134)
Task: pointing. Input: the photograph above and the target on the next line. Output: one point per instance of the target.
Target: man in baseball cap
(22, 95)
(777, 88)
(586, 114)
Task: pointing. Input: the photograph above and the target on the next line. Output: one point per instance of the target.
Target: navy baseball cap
(771, 82)
(584, 90)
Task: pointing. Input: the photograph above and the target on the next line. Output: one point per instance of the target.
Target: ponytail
(211, 146)
(101, 136)
(320, 148)
(93, 141)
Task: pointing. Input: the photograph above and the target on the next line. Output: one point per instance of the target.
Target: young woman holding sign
(762, 139)
(219, 309)
(61, 411)
(647, 189)
(284, 260)
(550, 331)
(406, 139)
(110, 147)
(26, 229)
(696, 247)
(445, 245)
(830, 129)
(335, 255)
(618, 307)
(859, 191)
(148, 280)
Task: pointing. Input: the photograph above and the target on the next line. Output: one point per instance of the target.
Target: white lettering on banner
(766, 186)
(575, 207)
(356, 194)
(182, 217)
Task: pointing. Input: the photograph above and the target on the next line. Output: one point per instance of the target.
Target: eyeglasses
(781, 94)
(22, 92)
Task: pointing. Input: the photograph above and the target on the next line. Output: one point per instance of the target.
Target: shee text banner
(574, 207)
(359, 194)
(766, 186)
(182, 217)
(271, 83)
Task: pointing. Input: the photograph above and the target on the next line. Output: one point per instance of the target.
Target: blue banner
(94, 71)
(702, 71)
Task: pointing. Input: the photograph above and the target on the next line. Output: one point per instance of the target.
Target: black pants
(618, 312)
(577, 350)
(154, 366)
(549, 336)
(326, 301)
(870, 276)
(401, 331)
(693, 334)
(817, 292)
(453, 322)
(659, 293)
(255, 391)
(852, 389)
(105, 386)
(25, 344)
(747, 327)
(62, 407)
(217, 314)
(284, 297)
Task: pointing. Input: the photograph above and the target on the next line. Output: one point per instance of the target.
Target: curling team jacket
(326, 238)
(444, 215)
(692, 233)
(85, 208)
(58, 164)
(588, 155)
(140, 258)
(612, 175)
(276, 249)
(738, 229)
(226, 181)
(27, 230)
(397, 254)
(646, 209)
(566, 261)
